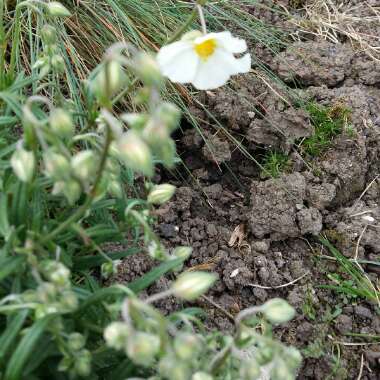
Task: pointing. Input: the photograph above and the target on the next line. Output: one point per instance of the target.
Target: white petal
(178, 61)
(216, 71)
(211, 74)
(230, 43)
(235, 65)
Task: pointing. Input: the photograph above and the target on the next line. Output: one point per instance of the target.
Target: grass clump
(274, 163)
(328, 122)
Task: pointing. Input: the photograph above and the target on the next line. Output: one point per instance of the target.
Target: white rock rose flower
(207, 61)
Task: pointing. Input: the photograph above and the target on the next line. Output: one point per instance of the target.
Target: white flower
(206, 61)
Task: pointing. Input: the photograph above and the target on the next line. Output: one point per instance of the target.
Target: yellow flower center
(205, 48)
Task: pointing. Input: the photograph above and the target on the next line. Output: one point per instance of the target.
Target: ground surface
(277, 221)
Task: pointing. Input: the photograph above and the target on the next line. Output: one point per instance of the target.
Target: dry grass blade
(331, 22)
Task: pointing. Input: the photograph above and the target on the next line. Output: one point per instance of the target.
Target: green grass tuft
(328, 122)
(274, 164)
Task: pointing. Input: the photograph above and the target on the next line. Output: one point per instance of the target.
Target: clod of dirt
(274, 206)
(343, 323)
(216, 149)
(314, 63)
(281, 129)
(366, 70)
(346, 166)
(309, 221)
(320, 195)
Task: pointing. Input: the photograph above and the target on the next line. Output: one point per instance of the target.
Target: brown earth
(279, 219)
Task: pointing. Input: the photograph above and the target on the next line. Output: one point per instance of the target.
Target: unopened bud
(293, 357)
(109, 268)
(84, 165)
(23, 164)
(187, 346)
(147, 69)
(68, 301)
(83, 363)
(46, 292)
(165, 152)
(161, 194)
(115, 190)
(201, 376)
(169, 114)
(281, 371)
(56, 9)
(278, 310)
(110, 79)
(135, 120)
(76, 341)
(70, 189)
(192, 35)
(143, 347)
(182, 252)
(191, 285)
(49, 34)
(56, 272)
(116, 335)
(58, 63)
(57, 166)
(135, 153)
(61, 122)
(171, 368)
(250, 370)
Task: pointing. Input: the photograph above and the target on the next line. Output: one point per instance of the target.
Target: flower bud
(70, 189)
(192, 35)
(57, 9)
(135, 120)
(293, 357)
(49, 34)
(116, 335)
(23, 164)
(169, 114)
(165, 152)
(250, 370)
(156, 250)
(114, 189)
(147, 69)
(46, 292)
(41, 62)
(187, 346)
(161, 194)
(281, 371)
(142, 348)
(56, 272)
(264, 354)
(201, 376)
(57, 166)
(191, 285)
(135, 153)
(182, 252)
(109, 80)
(171, 368)
(109, 268)
(76, 341)
(61, 122)
(84, 165)
(68, 301)
(82, 365)
(58, 63)
(278, 311)
(43, 310)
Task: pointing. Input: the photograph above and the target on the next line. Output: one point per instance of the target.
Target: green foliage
(350, 280)
(328, 123)
(274, 163)
(68, 159)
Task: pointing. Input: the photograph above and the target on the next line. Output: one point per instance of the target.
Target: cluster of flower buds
(54, 293)
(51, 60)
(77, 359)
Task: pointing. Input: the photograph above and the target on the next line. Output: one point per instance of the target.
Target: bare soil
(277, 221)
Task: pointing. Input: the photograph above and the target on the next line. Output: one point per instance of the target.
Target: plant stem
(181, 30)
(2, 45)
(82, 209)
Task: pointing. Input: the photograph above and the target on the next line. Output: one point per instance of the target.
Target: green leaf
(153, 275)
(87, 262)
(25, 349)
(11, 332)
(9, 265)
(5, 228)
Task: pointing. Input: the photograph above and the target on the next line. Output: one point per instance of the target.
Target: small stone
(363, 312)
(343, 324)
